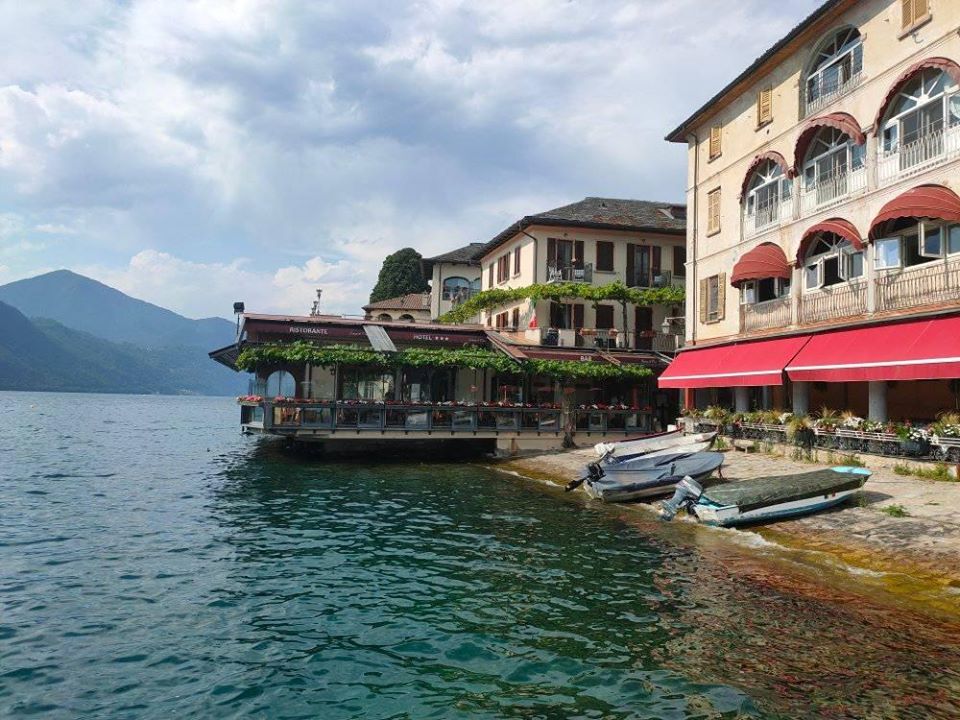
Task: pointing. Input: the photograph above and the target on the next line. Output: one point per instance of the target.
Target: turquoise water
(154, 563)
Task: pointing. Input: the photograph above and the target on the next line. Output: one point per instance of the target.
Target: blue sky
(196, 153)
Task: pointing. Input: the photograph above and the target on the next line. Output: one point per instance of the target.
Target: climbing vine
(474, 358)
(615, 291)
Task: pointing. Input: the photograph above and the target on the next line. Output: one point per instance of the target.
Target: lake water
(154, 563)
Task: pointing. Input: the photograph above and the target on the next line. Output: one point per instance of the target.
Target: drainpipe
(536, 257)
(693, 249)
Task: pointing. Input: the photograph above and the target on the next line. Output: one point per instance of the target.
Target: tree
(400, 275)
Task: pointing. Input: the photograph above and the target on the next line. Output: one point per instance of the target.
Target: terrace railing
(570, 273)
(832, 189)
(929, 284)
(928, 150)
(767, 216)
(836, 301)
(766, 315)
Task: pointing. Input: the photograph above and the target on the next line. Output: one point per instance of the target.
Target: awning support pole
(877, 401)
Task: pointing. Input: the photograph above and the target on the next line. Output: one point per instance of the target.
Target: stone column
(801, 398)
(877, 401)
(741, 396)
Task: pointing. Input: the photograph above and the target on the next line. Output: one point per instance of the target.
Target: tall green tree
(400, 275)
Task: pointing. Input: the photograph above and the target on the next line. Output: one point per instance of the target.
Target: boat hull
(629, 449)
(649, 477)
(626, 492)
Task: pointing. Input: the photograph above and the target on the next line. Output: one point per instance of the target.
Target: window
(713, 211)
(680, 261)
(913, 12)
(605, 256)
(490, 276)
(887, 253)
(280, 383)
(503, 268)
(830, 261)
(836, 67)
(604, 317)
(455, 289)
(515, 318)
(715, 148)
(566, 316)
(712, 298)
(759, 291)
(516, 261)
(764, 106)
(501, 320)
(919, 115)
(769, 188)
(931, 241)
(953, 239)
(831, 158)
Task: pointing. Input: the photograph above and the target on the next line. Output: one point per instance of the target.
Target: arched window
(406, 318)
(836, 67)
(456, 289)
(280, 383)
(384, 317)
(767, 190)
(832, 158)
(918, 116)
(831, 260)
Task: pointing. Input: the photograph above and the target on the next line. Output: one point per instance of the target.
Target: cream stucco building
(823, 194)
(454, 278)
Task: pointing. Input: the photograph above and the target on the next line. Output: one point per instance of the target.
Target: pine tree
(400, 274)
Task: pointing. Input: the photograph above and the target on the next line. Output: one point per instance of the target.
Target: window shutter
(704, 289)
(906, 7)
(714, 142)
(679, 261)
(551, 252)
(515, 318)
(713, 211)
(578, 316)
(506, 266)
(657, 255)
(631, 264)
(516, 261)
(764, 106)
(578, 254)
(721, 295)
(490, 276)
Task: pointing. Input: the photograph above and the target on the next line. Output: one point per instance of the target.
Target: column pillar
(877, 401)
(689, 398)
(801, 398)
(741, 397)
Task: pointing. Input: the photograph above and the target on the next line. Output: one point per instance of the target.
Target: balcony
(662, 279)
(828, 90)
(459, 296)
(836, 301)
(570, 273)
(766, 217)
(928, 284)
(912, 158)
(832, 190)
(612, 339)
(766, 315)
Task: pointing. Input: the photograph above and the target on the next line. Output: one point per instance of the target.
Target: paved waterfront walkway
(924, 543)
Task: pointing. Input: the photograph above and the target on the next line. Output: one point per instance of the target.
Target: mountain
(82, 335)
(80, 303)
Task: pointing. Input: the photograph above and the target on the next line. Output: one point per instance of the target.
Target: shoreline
(915, 557)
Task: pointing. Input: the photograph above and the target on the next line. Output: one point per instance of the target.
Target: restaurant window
(516, 261)
(713, 211)
(680, 261)
(281, 384)
(366, 384)
(605, 256)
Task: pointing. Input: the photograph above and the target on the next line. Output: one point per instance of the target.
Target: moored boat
(764, 499)
(648, 477)
(631, 448)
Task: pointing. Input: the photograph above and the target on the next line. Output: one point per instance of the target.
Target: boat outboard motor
(687, 493)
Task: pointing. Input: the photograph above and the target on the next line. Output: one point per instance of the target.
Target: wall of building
(441, 272)
(887, 52)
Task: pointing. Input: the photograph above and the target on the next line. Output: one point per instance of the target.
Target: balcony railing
(914, 157)
(836, 301)
(661, 279)
(459, 296)
(766, 315)
(570, 273)
(832, 189)
(295, 415)
(828, 91)
(765, 217)
(612, 339)
(929, 284)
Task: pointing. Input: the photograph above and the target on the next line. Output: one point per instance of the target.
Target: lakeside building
(414, 307)
(454, 278)
(596, 242)
(824, 239)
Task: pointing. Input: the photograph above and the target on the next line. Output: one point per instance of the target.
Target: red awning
(764, 261)
(915, 350)
(939, 63)
(748, 364)
(844, 122)
(924, 201)
(837, 226)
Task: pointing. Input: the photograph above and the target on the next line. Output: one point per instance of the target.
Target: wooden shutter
(578, 254)
(655, 262)
(604, 317)
(551, 252)
(704, 289)
(679, 261)
(631, 264)
(913, 11)
(604, 255)
(713, 211)
(506, 266)
(516, 261)
(515, 318)
(721, 295)
(578, 316)
(715, 142)
(764, 106)
(490, 276)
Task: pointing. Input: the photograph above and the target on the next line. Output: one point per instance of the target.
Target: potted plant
(914, 439)
(800, 430)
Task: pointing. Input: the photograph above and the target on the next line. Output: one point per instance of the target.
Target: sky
(194, 153)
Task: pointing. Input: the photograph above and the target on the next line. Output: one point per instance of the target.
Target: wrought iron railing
(928, 150)
(928, 284)
(659, 279)
(836, 301)
(767, 216)
(570, 273)
(766, 315)
(826, 91)
(832, 189)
